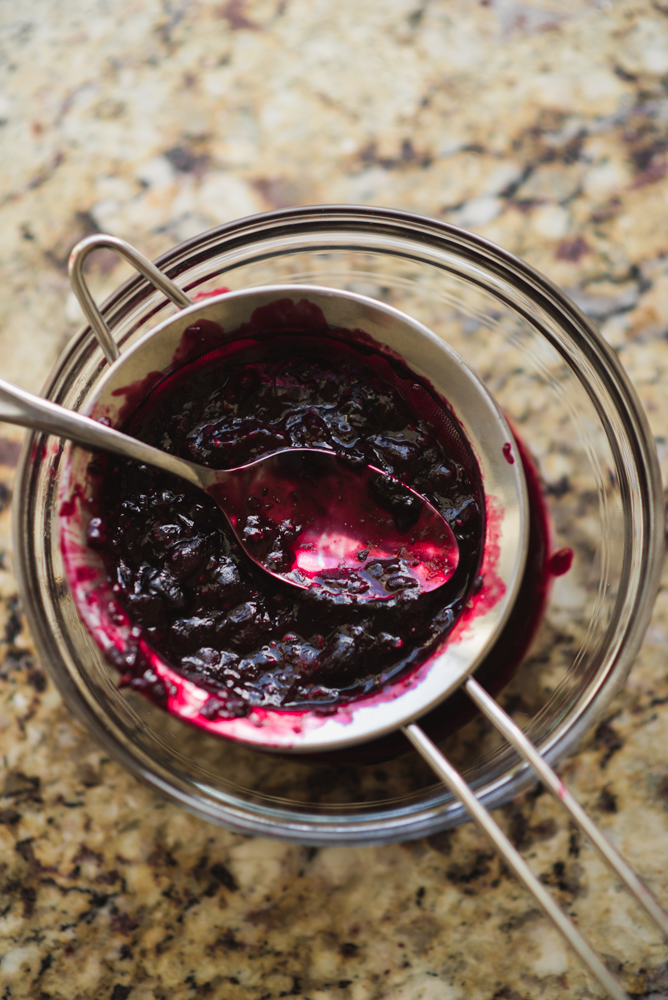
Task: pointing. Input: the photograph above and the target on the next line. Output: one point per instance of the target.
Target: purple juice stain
(190, 591)
(560, 562)
(508, 453)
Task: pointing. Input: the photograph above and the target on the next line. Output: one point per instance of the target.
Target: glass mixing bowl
(575, 410)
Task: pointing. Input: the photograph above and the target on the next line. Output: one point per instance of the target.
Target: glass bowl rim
(540, 290)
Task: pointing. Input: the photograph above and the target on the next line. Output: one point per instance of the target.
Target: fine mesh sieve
(482, 424)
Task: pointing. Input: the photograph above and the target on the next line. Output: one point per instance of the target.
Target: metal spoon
(303, 515)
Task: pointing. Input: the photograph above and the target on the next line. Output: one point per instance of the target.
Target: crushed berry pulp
(186, 585)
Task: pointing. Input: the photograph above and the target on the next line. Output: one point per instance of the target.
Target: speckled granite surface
(542, 125)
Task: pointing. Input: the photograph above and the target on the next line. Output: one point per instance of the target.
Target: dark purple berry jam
(193, 594)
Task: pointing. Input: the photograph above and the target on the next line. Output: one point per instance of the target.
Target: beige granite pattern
(541, 124)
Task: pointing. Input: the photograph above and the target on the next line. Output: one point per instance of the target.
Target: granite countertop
(542, 125)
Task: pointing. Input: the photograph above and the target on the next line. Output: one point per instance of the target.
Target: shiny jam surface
(197, 599)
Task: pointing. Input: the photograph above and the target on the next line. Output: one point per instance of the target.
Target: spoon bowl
(313, 519)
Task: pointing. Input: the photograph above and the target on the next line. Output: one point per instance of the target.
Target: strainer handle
(455, 782)
(100, 241)
(609, 854)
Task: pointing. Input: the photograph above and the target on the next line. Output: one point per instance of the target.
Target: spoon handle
(20, 407)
